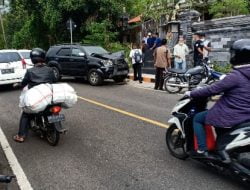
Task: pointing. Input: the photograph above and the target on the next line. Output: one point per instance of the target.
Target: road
(107, 148)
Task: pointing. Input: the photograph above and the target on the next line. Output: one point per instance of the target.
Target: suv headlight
(107, 63)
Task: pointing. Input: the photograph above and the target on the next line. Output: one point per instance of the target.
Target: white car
(12, 68)
(25, 54)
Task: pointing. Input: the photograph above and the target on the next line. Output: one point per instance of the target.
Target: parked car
(25, 54)
(12, 68)
(91, 62)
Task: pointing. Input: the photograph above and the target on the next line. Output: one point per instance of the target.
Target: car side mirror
(81, 54)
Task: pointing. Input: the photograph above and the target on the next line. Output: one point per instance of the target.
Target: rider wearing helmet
(233, 107)
(39, 74)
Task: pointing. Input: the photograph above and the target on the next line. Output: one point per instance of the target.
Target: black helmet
(37, 55)
(240, 52)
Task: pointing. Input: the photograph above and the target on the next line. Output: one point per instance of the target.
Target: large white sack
(63, 93)
(36, 99)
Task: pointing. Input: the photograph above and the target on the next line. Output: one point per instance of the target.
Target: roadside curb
(149, 79)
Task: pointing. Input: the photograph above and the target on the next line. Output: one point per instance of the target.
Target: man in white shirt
(136, 56)
(207, 47)
(180, 52)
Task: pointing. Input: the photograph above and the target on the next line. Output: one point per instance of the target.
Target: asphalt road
(105, 149)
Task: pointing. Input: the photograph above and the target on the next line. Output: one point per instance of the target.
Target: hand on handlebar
(187, 94)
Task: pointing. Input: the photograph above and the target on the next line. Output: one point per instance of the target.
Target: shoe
(140, 81)
(161, 89)
(199, 154)
(224, 156)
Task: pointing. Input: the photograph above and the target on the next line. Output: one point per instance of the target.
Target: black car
(91, 62)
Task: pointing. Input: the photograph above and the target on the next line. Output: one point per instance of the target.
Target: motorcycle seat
(178, 71)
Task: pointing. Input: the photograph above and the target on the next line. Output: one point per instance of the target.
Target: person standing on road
(39, 74)
(207, 47)
(180, 52)
(162, 60)
(136, 57)
(198, 50)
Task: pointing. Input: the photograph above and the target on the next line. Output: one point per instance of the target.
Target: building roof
(135, 19)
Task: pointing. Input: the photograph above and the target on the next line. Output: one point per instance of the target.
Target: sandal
(18, 138)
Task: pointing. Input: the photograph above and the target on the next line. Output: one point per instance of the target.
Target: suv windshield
(95, 49)
(7, 57)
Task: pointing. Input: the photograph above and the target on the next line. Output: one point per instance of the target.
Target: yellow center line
(125, 113)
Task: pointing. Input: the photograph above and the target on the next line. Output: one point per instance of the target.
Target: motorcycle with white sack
(44, 104)
(42, 101)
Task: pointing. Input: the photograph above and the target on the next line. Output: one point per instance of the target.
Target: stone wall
(222, 33)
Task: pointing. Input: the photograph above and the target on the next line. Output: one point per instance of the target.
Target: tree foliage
(229, 8)
(43, 22)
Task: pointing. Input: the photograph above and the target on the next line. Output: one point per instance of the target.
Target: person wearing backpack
(136, 56)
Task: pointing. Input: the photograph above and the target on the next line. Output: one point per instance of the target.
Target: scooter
(175, 80)
(48, 124)
(229, 149)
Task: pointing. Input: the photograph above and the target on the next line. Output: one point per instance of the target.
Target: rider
(39, 74)
(233, 107)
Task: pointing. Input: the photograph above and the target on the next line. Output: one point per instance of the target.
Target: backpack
(137, 56)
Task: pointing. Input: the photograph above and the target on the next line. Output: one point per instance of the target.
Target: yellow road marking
(126, 113)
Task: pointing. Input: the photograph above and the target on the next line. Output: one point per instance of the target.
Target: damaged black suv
(91, 62)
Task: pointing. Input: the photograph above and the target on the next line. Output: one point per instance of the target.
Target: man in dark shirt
(151, 41)
(198, 49)
(39, 74)
(157, 42)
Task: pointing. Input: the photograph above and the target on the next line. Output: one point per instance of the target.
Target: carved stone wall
(222, 33)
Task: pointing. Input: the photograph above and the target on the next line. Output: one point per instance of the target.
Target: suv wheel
(56, 73)
(94, 77)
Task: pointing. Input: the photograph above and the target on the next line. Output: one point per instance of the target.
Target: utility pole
(71, 26)
(71, 32)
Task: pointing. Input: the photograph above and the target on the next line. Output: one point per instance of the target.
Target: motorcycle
(176, 80)
(232, 144)
(48, 124)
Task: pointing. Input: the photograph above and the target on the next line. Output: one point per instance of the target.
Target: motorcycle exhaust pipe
(178, 85)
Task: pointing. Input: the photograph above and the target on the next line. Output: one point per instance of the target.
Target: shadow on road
(108, 82)
(8, 88)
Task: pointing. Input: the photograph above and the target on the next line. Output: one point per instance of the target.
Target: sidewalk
(148, 78)
(148, 81)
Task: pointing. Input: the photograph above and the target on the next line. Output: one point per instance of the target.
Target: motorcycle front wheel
(52, 135)
(176, 143)
(169, 83)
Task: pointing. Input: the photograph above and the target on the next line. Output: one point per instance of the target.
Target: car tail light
(24, 64)
(55, 109)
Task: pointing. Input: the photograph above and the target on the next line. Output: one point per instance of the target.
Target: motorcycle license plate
(56, 118)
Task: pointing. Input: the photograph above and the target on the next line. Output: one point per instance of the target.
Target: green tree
(43, 22)
(226, 8)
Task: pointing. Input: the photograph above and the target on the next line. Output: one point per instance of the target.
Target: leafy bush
(101, 33)
(223, 68)
(229, 8)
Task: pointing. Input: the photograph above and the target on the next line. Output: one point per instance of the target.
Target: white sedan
(12, 68)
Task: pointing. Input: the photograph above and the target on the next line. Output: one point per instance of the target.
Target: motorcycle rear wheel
(172, 80)
(176, 142)
(52, 135)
